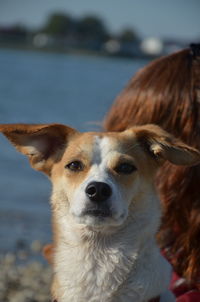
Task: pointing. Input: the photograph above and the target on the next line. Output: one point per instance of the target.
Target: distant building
(152, 46)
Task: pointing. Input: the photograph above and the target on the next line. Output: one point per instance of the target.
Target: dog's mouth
(100, 217)
(98, 212)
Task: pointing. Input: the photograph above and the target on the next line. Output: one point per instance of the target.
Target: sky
(159, 18)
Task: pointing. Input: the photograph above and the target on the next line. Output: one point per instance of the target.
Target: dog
(105, 208)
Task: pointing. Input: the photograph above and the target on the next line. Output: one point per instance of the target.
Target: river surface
(37, 87)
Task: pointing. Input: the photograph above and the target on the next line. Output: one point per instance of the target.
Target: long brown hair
(167, 92)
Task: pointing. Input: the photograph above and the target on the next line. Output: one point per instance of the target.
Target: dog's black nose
(98, 191)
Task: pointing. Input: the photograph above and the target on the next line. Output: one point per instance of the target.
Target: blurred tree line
(63, 32)
(86, 28)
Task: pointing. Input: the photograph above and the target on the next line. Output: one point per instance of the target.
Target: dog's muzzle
(98, 193)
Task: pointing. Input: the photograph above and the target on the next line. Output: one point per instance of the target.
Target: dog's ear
(43, 144)
(163, 146)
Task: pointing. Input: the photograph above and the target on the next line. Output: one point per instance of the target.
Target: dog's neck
(91, 262)
(90, 259)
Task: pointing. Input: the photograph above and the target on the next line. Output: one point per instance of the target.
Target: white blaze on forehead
(101, 149)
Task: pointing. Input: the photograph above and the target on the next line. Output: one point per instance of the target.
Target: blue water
(44, 88)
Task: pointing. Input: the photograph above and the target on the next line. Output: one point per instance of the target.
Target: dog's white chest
(92, 276)
(109, 276)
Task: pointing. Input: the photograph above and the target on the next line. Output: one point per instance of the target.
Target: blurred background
(65, 61)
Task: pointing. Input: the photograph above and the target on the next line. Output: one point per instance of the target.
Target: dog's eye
(75, 166)
(125, 168)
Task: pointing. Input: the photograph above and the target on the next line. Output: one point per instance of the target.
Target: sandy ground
(24, 275)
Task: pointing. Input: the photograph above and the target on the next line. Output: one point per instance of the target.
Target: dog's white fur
(105, 259)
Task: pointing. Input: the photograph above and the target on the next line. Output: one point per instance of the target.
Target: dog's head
(98, 177)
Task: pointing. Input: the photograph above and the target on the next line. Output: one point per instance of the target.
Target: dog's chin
(98, 220)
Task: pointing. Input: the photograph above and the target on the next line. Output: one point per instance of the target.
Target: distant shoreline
(84, 52)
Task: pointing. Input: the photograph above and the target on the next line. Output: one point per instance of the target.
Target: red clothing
(183, 291)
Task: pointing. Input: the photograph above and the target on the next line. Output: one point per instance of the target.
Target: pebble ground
(24, 275)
